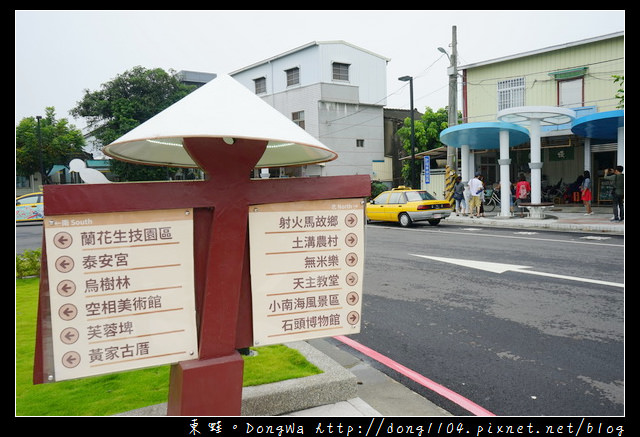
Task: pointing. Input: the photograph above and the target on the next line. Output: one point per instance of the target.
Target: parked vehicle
(30, 207)
(405, 206)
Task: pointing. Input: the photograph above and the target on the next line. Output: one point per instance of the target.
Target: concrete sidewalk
(559, 218)
(348, 387)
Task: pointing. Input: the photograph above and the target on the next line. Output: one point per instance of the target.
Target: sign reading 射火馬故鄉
(307, 263)
(121, 291)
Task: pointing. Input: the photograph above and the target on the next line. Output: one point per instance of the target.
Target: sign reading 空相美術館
(307, 265)
(121, 291)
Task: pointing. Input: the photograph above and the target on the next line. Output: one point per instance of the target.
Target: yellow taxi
(405, 206)
(30, 207)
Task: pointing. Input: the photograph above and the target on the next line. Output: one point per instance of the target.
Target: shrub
(28, 263)
(377, 188)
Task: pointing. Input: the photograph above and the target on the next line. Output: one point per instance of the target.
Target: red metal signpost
(212, 384)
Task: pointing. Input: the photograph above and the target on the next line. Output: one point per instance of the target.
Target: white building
(336, 92)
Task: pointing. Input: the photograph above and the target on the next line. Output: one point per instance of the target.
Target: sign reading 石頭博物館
(307, 263)
(121, 291)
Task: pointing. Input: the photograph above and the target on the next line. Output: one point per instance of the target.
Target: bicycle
(491, 199)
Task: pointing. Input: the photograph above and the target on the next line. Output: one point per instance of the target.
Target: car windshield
(413, 196)
(28, 200)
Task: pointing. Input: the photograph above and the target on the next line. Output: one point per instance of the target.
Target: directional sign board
(121, 291)
(307, 265)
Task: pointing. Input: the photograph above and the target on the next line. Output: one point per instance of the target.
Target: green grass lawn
(119, 392)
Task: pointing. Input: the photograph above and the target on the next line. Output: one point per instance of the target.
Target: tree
(40, 146)
(427, 136)
(126, 102)
(620, 93)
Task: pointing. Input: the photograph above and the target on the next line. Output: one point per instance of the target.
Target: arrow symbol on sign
(501, 268)
(64, 263)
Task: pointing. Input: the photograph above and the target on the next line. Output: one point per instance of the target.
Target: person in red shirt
(523, 192)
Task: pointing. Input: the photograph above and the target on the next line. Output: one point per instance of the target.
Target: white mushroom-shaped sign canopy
(222, 108)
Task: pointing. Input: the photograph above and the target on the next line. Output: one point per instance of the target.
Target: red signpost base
(201, 387)
(211, 385)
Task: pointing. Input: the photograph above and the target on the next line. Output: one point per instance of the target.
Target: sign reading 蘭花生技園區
(307, 263)
(121, 291)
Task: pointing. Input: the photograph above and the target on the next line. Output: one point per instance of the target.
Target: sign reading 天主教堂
(121, 291)
(307, 263)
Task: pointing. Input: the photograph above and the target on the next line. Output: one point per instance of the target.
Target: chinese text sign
(122, 291)
(307, 263)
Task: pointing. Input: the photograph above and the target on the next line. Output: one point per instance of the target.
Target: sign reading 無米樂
(121, 291)
(307, 265)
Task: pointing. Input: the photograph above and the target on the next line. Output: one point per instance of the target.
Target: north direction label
(307, 261)
(122, 291)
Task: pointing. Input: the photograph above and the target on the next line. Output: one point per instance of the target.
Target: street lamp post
(413, 132)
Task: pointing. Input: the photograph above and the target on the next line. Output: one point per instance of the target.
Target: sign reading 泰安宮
(121, 291)
(307, 262)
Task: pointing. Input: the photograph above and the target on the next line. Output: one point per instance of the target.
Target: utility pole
(413, 182)
(452, 71)
(453, 96)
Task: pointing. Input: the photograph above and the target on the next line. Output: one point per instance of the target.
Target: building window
(570, 93)
(260, 85)
(510, 93)
(340, 71)
(359, 143)
(298, 118)
(293, 76)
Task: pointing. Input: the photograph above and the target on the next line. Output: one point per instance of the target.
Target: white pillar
(465, 156)
(587, 155)
(536, 163)
(505, 184)
(621, 145)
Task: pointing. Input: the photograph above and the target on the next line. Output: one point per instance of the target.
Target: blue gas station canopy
(483, 135)
(602, 125)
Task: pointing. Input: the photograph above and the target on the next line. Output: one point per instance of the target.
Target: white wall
(337, 113)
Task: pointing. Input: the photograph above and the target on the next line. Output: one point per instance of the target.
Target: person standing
(616, 176)
(476, 189)
(482, 195)
(523, 192)
(458, 196)
(585, 192)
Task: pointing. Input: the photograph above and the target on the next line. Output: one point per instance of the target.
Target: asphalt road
(515, 343)
(28, 236)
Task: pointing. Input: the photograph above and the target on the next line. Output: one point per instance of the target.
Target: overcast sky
(59, 54)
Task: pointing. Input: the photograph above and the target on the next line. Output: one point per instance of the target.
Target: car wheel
(434, 222)
(404, 220)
